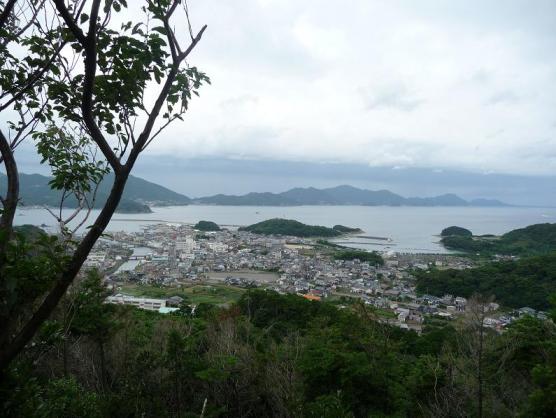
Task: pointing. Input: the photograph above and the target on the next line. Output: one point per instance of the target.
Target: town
(167, 258)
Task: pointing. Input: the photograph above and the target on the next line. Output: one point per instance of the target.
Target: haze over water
(411, 229)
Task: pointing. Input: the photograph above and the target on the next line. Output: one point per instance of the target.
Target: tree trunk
(65, 354)
(10, 350)
(9, 205)
(9, 202)
(5, 14)
(480, 370)
(102, 366)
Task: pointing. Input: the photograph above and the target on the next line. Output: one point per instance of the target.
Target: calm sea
(408, 229)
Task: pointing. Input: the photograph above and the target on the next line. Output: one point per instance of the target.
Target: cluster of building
(176, 255)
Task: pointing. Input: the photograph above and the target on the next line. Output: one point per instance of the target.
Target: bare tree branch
(155, 111)
(89, 44)
(90, 207)
(72, 25)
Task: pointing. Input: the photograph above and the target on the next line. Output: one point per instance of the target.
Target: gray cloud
(395, 82)
(504, 96)
(234, 102)
(392, 96)
(464, 84)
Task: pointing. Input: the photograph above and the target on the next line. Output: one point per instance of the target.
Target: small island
(456, 231)
(206, 226)
(294, 228)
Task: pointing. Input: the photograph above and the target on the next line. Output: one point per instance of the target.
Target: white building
(217, 247)
(186, 245)
(148, 304)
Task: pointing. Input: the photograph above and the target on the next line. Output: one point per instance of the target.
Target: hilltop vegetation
(515, 284)
(206, 226)
(456, 231)
(539, 238)
(346, 229)
(290, 227)
(531, 240)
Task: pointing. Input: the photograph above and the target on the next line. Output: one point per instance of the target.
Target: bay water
(400, 229)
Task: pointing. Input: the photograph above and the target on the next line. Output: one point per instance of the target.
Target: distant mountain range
(139, 194)
(340, 195)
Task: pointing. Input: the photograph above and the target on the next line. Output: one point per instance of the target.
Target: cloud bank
(462, 84)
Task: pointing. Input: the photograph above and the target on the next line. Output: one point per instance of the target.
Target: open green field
(195, 294)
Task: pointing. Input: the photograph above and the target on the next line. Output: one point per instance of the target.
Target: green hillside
(138, 194)
(531, 240)
(526, 282)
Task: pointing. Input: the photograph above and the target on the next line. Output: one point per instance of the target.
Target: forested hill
(526, 282)
(531, 240)
(290, 227)
(340, 195)
(34, 190)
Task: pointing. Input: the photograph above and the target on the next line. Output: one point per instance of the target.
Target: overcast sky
(454, 84)
(443, 85)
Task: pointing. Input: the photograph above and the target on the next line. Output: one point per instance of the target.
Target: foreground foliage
(272, 356)
(93, 90)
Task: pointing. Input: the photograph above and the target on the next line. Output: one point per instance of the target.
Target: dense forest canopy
(273, 355)
(526, 282)
(533, 239)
